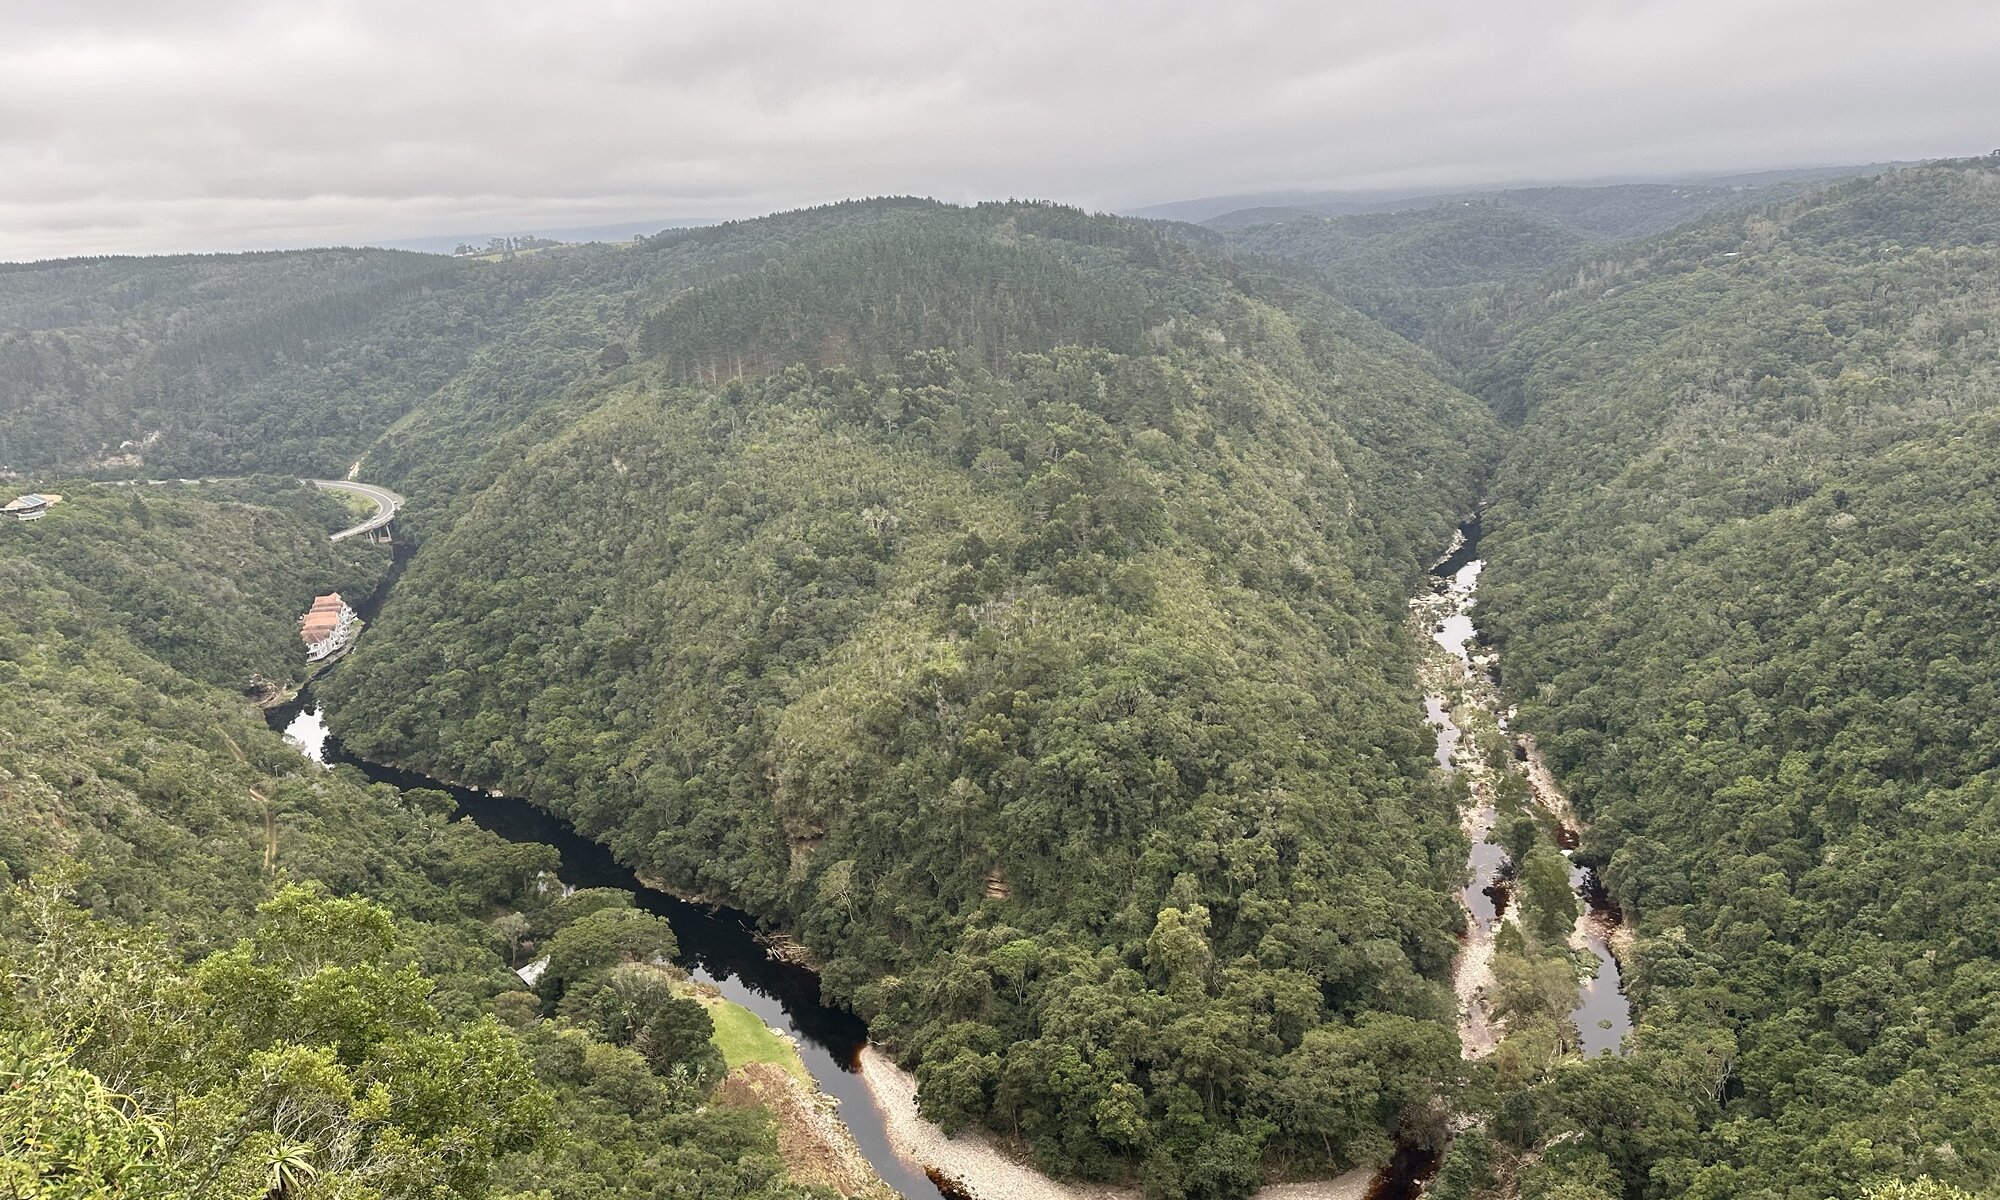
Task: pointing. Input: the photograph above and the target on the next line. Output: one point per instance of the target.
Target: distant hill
(1417, 269)
(1611, 212)
(617, 231)
(1440, 269)
(1277, 206)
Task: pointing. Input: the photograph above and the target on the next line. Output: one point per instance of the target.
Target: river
(1461, 691)
(718, 946)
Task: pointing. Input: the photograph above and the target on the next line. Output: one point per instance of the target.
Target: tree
(513, 926)
(1519, 837)
(1178, 950)
(1923, 1187)
(601, 940)
(1548, 903)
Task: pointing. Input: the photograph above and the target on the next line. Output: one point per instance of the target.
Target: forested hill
(1615, 212)
(1434, 275)
(210, 579)
(293, 362)
(1023, 628)
(1450, 272)
(226, 971)
(218, 363)
(1742, 574)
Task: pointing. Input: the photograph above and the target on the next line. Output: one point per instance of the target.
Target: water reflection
(307, 731)
(718, 946)
(1603, 1015)
(1440, 715)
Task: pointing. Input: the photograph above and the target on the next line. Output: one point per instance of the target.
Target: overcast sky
(159, 125)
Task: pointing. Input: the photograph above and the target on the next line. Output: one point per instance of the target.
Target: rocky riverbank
(1463, 706)
(1474, 741)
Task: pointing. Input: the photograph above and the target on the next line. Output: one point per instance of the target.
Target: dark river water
(717, 945)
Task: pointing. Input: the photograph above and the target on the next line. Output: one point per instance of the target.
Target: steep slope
(535, 376)
(184, 1010)
(1053, 693)
(209, 578)
(1742, 572)
(181, 359)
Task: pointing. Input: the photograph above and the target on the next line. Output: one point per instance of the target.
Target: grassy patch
(744, 1038)
(361, 506)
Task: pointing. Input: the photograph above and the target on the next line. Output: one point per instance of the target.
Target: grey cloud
(207, 124)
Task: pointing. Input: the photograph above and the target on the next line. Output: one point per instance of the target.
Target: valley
(877, 1101)
(1066, 634)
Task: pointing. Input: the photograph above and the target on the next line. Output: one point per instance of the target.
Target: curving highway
(386, 504)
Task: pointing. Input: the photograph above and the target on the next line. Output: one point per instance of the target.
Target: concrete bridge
(375, 528)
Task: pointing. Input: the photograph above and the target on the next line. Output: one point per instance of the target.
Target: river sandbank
(1461, 709)
(817, 1148)
(976, 1166)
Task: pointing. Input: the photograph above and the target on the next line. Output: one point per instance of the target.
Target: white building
(327, 627)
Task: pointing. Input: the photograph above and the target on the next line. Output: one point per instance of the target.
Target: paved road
(386, 503)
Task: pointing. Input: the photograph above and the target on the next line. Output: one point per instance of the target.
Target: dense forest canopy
(1054, 691)
(227, 971)
(1010, 603)
(1742, 577)
(1606, 213)
(1433, 275)
(209, 578)
(182, 359)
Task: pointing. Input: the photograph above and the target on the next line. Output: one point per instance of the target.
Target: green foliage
(1548, 903)
(1350, 1088)
(1432, 274)
(1520, 835)
(180, 359)
(1741, 563)
(1921, 1188)
(602, 940)
(295, 1054)
(1009, 601)
(913, 284)
(292, 361)
(65, 1136)
(1609, 213)
(186, 1012)
(1116, 625)
(211, 578)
